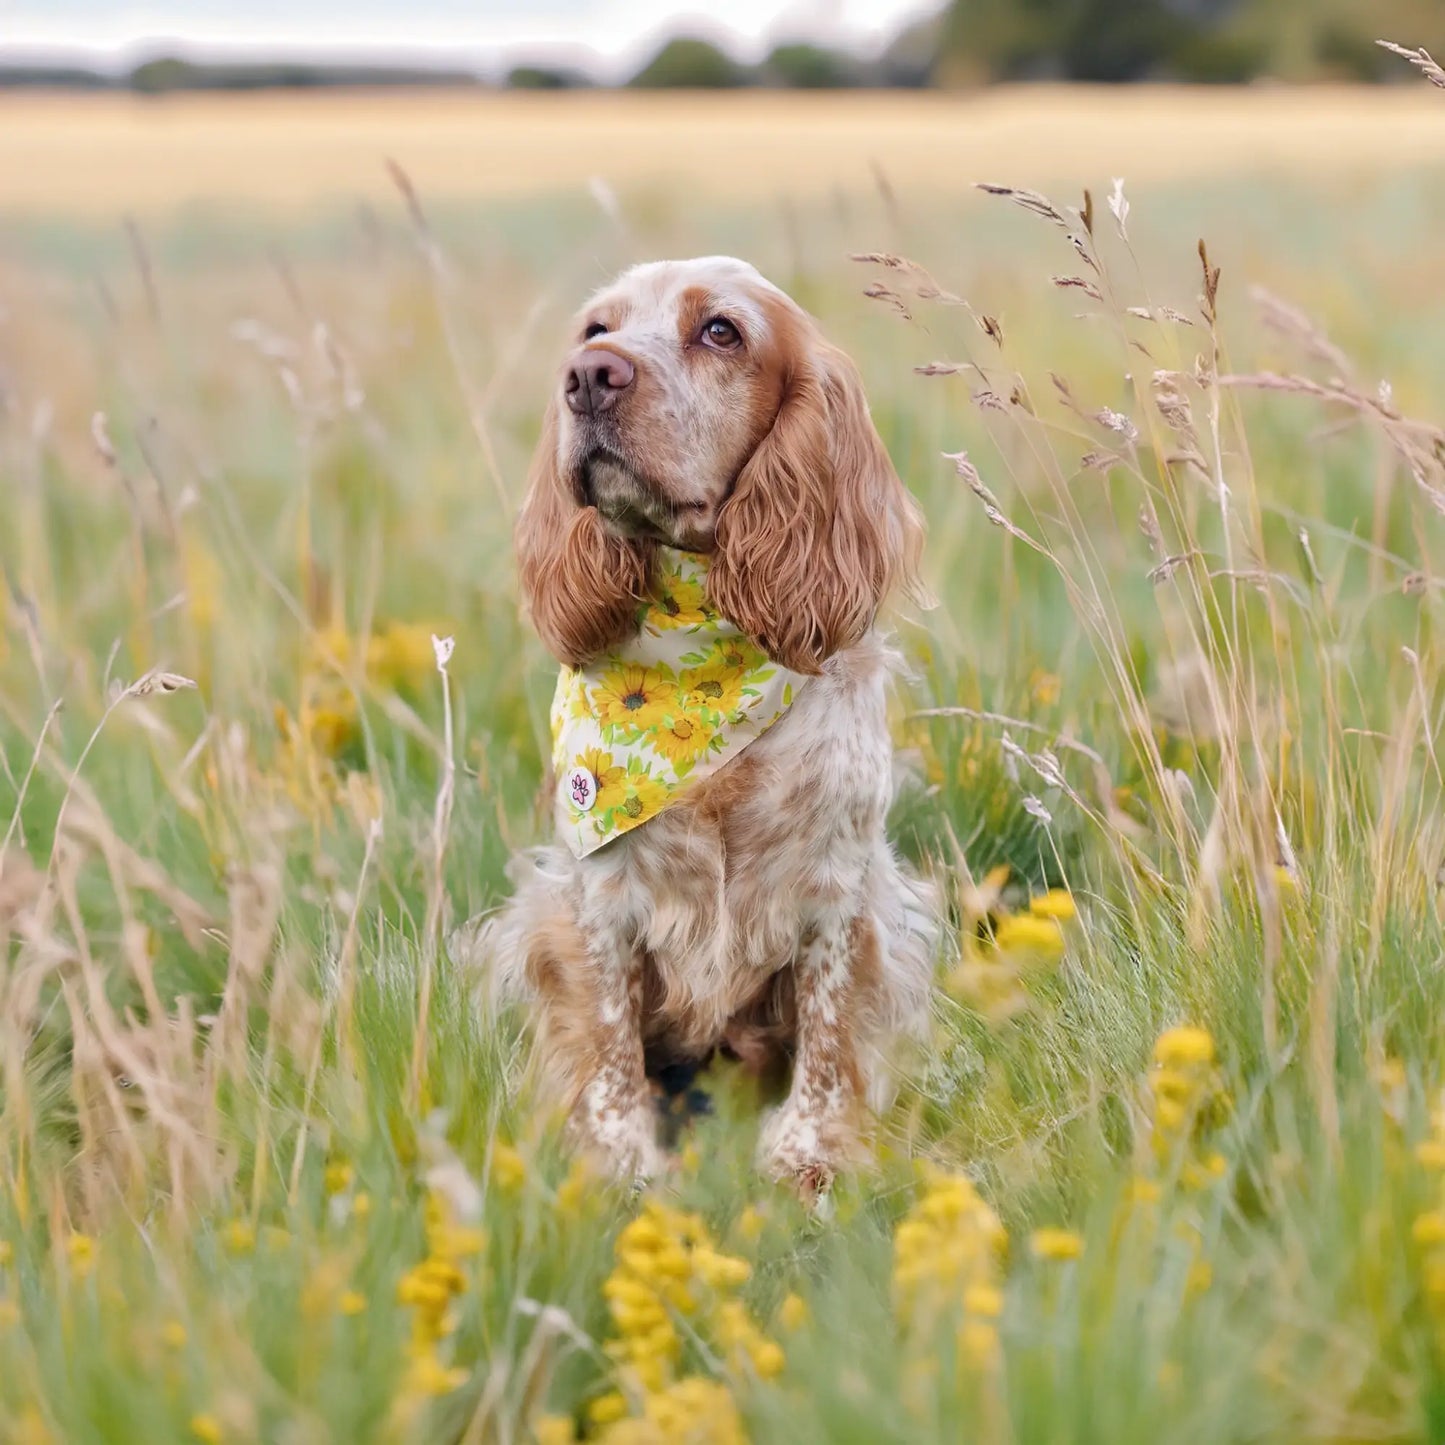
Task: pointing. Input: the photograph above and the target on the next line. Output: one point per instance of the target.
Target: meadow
(1172, 1165)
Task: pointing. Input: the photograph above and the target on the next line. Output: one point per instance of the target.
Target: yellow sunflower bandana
(639, 725)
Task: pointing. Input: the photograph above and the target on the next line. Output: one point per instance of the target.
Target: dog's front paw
(622, 1142)
(802, 1151)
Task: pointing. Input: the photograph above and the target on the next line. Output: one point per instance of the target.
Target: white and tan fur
(764, 910)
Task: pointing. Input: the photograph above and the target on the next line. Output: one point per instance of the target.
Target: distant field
(90, 155)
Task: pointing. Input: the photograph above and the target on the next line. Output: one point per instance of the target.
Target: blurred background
(150, 105)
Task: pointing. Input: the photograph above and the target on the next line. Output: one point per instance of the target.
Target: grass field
(1173, 1166)
(95, 155)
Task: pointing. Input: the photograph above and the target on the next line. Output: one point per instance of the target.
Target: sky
(612, 34)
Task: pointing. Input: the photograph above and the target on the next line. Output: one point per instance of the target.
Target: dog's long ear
(819, 527)
(581, 584)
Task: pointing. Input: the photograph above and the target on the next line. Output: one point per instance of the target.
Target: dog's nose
(596, 379)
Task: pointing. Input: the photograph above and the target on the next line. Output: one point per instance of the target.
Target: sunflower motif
(712, 690)
(575, 699)
(634, 697)
(645, 795)
(569, 704)
(611, 778)
(682, 741)
(680, 601)
(737, 654)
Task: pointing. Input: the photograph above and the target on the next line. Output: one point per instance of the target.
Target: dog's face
(698, 406)
(676, 376)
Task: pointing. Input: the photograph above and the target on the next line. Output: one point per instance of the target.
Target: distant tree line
(165, 74)
(973, 42)
(970, 43)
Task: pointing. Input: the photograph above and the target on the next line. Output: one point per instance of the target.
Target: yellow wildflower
(1144, 1191)
(1045, 687)
(239, 1237)
(984, 1300)
(361, 1205)
(331, 645)
(1169, 1114)
(206, 1428)
(509, 1170)
(1056, 1244)
(695, 1410)
(428, 1376)
(720, 1271)
(1056, 903)
(401, 656)
(1435, 1278)
(743, 1342)
(668, 1265)
(607, 1408)
(1025, 933)
(351, 1302)
(1197, 1173)
(428, 1289)
(793, 1313)
(553, 1430)
(1429, 1228)
(173, 1335)
(1180, 1047)
(750, 1223)
(1174, 1085)
(338, 1177)
(946, 1250)
(80, 1248)
(329, 725)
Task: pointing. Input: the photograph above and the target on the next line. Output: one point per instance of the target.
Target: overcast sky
(480, 31)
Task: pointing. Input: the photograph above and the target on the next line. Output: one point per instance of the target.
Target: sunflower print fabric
(639, 725)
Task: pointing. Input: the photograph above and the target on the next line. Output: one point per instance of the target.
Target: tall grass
(267, 1172)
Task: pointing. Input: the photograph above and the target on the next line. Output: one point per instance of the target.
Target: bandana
(638, 726)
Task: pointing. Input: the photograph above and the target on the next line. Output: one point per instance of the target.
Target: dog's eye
(594, 328)
(721, 333)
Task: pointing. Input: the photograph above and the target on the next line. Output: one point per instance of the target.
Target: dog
(711, 525)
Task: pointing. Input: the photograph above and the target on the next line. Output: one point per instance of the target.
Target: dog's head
(700, 407)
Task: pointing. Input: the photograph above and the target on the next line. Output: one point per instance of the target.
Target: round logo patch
(581, 789)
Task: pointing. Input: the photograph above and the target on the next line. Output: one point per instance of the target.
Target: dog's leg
(586, 984)
(614, 1115)
(816, 1131)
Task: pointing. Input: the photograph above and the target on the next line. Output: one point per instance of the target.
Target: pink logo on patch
(581, 789)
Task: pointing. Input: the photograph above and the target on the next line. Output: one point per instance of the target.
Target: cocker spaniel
(710, 527)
